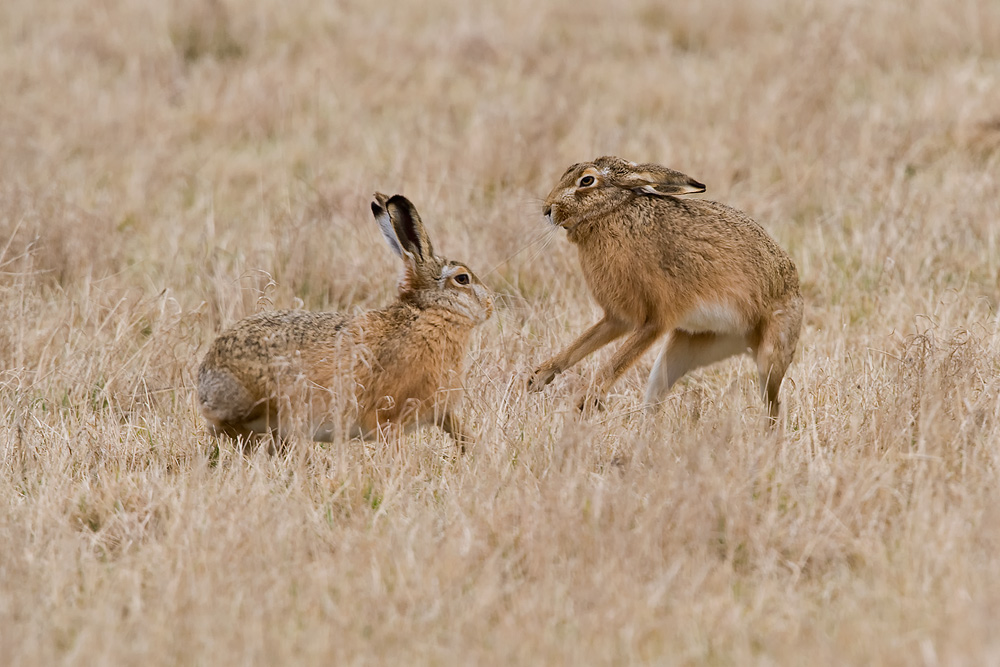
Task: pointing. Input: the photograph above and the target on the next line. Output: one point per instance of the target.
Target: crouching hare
(701, 272)
(287, 371)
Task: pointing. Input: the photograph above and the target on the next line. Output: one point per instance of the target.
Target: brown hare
(701, 272)
(277, 372)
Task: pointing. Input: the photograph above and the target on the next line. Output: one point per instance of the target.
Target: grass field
(168, 168)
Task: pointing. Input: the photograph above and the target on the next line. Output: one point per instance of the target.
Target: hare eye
(462, 278)
(586, 181)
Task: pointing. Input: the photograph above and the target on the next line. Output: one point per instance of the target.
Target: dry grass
(170, 167)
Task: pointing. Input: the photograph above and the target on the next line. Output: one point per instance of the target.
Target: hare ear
(381, 213)
(409, 229)
(650, 179)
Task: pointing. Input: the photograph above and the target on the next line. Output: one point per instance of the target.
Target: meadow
(168, 168)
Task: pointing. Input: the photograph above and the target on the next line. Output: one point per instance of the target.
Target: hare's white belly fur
(707, 317)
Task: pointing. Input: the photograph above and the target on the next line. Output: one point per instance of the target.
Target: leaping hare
(276, 372)
(702, 272)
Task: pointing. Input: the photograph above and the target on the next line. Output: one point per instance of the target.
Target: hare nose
(547, 211)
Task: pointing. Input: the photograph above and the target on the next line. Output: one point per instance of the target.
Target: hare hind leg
(685, 351)
(230, 409)
(778, 338)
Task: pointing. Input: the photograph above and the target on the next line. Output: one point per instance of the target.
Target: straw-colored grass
(169, 167)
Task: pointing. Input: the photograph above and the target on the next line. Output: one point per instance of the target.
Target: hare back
(254, 346)
(702, 225)
(246, 364)
(697, 264)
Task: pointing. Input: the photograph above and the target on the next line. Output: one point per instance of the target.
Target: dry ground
(169, 167)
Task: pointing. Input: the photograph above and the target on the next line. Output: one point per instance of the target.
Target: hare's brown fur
(277, 372)
(699, 270)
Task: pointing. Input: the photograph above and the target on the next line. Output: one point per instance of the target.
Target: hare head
(428, 280)
(589, 190)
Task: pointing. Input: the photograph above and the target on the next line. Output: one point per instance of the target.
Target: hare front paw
(543, 375)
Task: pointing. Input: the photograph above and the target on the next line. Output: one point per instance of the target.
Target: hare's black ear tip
(399, 200)
(698, 187)
(379, 203)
